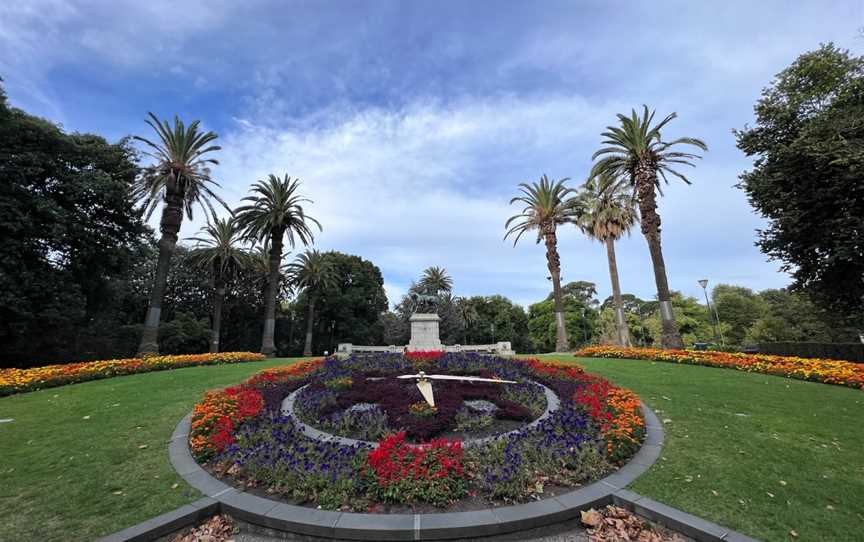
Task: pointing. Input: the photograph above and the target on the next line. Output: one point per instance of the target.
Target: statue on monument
(424, 303)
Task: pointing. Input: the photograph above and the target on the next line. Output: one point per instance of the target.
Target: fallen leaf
(592, 518)
(713, 492)
(770, 494)
(142, 446)
(86, 418)
(782, 482)
(175, 486)
(793, 533)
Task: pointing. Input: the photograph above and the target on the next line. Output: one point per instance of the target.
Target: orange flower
(22, 380)
(827, 371)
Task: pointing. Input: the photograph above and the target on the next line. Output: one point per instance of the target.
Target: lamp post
(716, 320)
(290, 328)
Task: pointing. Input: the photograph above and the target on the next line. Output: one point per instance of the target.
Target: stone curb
(167, 523)
(303, 521)
(687, 524)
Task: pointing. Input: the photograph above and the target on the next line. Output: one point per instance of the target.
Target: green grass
(734, 434)
(733, 438)
(60, 473)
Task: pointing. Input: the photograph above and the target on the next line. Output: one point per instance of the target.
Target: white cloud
(429, 185)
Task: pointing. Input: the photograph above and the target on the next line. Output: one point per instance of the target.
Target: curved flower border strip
(826, 371)
(14, 381)
(221, 411)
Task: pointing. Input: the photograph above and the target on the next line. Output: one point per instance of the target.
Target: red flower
(249, 403)
(394, 460)
(222, 435)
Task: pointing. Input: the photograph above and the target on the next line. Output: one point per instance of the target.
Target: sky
(411, 124)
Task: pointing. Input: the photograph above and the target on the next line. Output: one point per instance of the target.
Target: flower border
(826, 371)
(14, 381)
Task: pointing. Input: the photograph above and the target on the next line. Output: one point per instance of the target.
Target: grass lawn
(761, 454)
(733, 440)
(73, 464)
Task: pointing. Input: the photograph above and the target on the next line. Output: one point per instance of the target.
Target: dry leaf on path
(592, 518)
(216, 529)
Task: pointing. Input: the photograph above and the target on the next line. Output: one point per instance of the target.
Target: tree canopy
(348, 309)
(808, 146)
(70, 235)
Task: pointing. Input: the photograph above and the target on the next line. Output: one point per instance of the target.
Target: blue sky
(411, 123)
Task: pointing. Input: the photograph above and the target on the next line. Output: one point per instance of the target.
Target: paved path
(570, 531)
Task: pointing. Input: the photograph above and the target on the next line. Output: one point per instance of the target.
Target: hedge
(845, 351)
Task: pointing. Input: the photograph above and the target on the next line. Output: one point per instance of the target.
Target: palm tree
(180, 177)
(275, 210)
(546, 207)
(435, 279)
(637, 152)
(467, 314)
(609, 213)
(219, 253)
(312, 272)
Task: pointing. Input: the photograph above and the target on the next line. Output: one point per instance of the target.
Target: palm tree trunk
(218, 300)
(646, 178)
(554, 263)
(623, 332)
(169, 225)
(307, 348)
(268, 346)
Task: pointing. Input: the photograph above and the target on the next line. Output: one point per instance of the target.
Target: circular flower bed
(418, 460)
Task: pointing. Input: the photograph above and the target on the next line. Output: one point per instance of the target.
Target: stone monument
(424, 324)
(424, 332)
(424, 335)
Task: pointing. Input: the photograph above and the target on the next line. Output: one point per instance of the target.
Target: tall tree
(582, 323)
(70, 235)
(468, 316)
(694, 321)
(609, 213)
(275, 210)
(738, 307)
(179, 177)
(350, 309)
(547, 206)
(435, 280)
(313, 272)
(219, 251)
(636, 151)
(495, 318)
(808, 145)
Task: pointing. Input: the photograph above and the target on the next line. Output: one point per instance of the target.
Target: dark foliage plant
(395, 398)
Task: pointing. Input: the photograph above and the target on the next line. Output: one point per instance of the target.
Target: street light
(718, 336)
